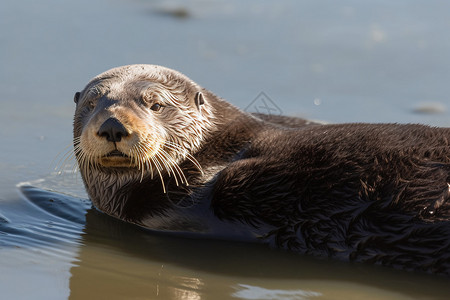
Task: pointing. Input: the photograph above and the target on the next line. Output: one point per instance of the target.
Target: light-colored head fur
(156, 140)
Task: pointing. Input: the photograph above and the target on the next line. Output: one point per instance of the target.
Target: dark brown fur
(376, 193)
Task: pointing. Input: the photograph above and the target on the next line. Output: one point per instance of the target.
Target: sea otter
(157, 150)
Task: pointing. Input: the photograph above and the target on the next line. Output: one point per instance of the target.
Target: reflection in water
(256, 292)
(189, 290)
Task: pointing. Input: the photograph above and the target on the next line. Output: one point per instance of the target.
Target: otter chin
(156, 149)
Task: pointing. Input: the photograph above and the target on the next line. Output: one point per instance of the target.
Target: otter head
(137, 121)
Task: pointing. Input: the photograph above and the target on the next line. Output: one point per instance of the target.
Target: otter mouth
(116, 153)
(116, 159)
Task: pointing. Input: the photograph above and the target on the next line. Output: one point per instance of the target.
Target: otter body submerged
(157, 150)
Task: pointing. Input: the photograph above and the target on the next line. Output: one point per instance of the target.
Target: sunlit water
(338, 61)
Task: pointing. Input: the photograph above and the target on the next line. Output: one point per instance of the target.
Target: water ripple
(45, 221)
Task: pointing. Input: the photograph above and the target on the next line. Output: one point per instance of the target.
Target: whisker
(184, 153)
(65, 154)
(69, 156)
(59, 168)
(66, 150)
(141, 165)
(163, 161)
(166, 161)
(154, 159)
(142, 159)
(176, 167)
(143, 150)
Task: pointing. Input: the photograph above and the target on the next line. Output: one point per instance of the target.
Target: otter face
(144, 118)
(118, 129)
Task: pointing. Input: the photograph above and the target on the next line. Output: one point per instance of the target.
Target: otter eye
(91, 104)
(156, 107)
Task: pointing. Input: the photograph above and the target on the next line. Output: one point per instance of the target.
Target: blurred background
(335, 61)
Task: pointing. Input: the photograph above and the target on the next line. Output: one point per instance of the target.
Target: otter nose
(112, 130)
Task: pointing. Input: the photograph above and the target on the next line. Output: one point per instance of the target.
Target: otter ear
(76, 97)
(199, 100)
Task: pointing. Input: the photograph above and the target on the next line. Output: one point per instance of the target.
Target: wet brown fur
(376, 193)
